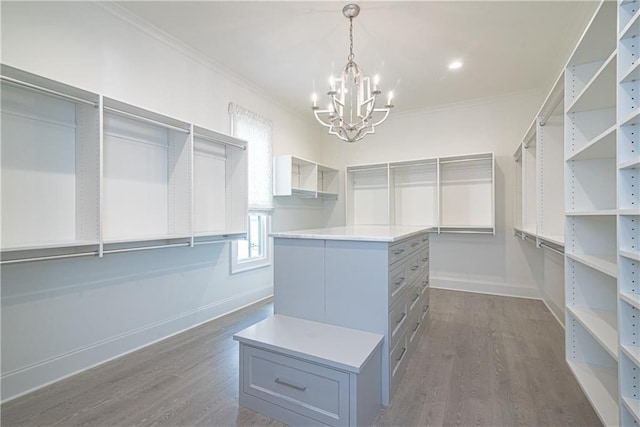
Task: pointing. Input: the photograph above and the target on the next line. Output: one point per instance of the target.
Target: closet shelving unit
(87, 175)
(591, 268)
(414, 192)
(450, 194)
(539, 207)
(294, 176)
(628, 221)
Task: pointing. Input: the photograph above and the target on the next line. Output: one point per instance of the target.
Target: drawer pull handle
(425, 259)
(290, 384)
(417, 326)
(414, 268)
(399, 282)
(414, 244)
(404, 350)
(424, 283)
(401, 318)
(415, 298)
(426, 307)
(398, 252)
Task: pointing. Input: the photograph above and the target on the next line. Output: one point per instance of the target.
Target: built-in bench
(302, 372)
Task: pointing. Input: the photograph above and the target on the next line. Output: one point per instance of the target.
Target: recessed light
(455, 65)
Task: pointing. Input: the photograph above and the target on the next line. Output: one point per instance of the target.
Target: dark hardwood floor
(482, 361)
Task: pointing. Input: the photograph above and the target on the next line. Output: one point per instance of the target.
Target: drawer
(398, 319)
(413, 298)
(312, 390)
(414, 330)
(424, 240)
(398, 282)
(423, 260)
(424, 303)
(413, 244)
(397, 252)
(424, 283)
(413, 268)
(398, 362)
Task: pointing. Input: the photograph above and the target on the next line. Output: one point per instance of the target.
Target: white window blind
(256, 130)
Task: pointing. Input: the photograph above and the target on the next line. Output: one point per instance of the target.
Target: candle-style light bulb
(314, 98)
(332, 84)
(390, 97)
(376, 80)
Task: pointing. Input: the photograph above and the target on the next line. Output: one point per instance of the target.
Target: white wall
(500, 264)
(59, 317)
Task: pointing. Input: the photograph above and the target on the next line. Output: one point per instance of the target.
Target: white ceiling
(288, 48)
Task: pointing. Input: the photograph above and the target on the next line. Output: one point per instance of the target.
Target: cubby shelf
(631, 299)
(451, 194)
(600, 385)
(601, 325)
(599, 91)
(602, 263)
(86, 174)
(294, 176)
(602, 146)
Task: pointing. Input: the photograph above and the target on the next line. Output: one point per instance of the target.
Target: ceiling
(289, 49)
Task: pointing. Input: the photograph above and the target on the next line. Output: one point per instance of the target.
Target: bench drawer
(314, 391)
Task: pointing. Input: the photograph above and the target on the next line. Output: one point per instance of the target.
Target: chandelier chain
(351, 55)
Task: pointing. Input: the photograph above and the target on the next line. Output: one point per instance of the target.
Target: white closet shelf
(602, 146)
(630, 164)
(603, 263)
(629, 212)
(600, 324)
(599, 92)
(631, 74)
(632, 352)
(135, 239)
(219, 233)
(631, 299)
(629, 30)
(600, 385)
(603, 212)
(633, 406)
(556, 240)
(50, 245)
(632, 119)
(630, 255)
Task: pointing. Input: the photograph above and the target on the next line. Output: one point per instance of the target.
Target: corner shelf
(302, 178)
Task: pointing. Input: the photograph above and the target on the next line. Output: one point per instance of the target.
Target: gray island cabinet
(370, 278)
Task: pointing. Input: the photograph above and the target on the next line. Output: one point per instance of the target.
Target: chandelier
(352, 113)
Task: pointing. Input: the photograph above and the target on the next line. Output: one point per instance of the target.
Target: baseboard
(486, 287)
(30, 378)
(555, 309)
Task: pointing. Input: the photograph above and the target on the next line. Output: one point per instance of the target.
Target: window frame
(239, 266)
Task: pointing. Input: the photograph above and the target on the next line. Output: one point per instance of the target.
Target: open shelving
(529, 181)
(50, 164)
(450, 194)
(85, 175)
(518, 195)
(414, 192)
(294, 176)
(591, 131)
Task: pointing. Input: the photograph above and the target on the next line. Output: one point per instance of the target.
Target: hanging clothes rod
(464, 160)
(209, 242)
(217, 141)
(51, 92)
(145, 248)
(48, 257)
(145, 119)
(551, 248)
(373, 168)
(544, 117)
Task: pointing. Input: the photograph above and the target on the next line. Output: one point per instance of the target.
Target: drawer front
(311, 390)
(398, 319)
(423, 283)
(397, 251)
(398, 361)
(424, 240)
(414, 244)
(413, 268)
(414, 329)
(413, 298)
(423, 260)
(424, 304)
(398, 282)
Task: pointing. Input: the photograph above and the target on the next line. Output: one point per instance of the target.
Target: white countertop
(331, 345)
(369, 233)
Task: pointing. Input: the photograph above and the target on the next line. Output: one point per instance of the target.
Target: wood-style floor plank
(482, 360)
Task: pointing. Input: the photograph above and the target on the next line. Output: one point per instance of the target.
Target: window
(256, 130)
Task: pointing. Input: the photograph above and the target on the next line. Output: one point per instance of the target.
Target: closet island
(373, 278)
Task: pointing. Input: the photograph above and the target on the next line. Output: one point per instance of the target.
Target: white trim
(555, 309)
(253, 264)
(25, 380)
(486, 287)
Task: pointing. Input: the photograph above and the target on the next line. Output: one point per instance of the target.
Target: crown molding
(170, 41)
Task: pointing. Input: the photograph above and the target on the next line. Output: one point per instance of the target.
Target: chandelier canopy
(352, 113)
